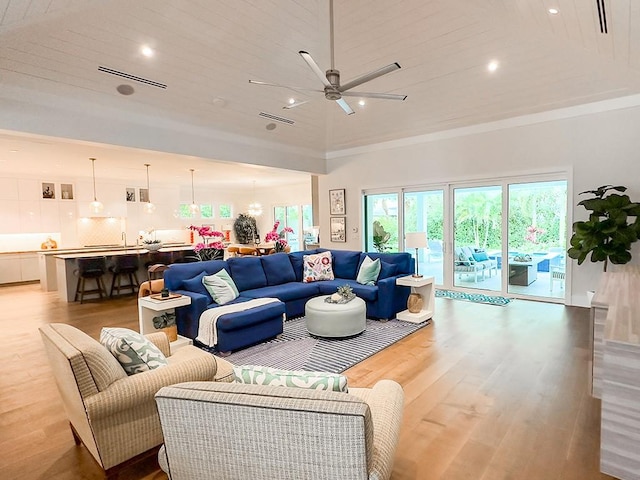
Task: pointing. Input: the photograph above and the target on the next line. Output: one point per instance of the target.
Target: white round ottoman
(335, 320)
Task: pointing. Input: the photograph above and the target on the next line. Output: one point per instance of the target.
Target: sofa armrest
(130, 392)
(392, 298)
(188, 317)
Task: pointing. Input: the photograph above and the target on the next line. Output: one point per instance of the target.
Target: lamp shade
(416, 240)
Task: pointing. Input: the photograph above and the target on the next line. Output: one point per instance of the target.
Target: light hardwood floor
(491, 392)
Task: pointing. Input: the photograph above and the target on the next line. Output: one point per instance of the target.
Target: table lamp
(416, 240)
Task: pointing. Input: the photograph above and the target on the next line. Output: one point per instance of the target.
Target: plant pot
(415, 303)
(171, 332)
(153, 247)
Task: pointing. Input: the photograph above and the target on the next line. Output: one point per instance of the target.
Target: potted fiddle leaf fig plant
(610, 230)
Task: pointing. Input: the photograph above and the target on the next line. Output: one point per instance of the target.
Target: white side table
(149, 308)
(423, 286)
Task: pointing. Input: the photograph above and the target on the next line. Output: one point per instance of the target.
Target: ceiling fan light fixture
(95, 206)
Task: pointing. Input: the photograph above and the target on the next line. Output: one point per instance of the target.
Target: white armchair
(115, 415)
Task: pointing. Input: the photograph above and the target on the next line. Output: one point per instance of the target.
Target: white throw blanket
(207, 330)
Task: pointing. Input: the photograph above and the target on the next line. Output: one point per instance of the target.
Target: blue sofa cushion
(285, 292)
(387, 270)
(195, 284)
(365, 292)
(345, 263)
(297, 261)
(278, 269)
(247, 272)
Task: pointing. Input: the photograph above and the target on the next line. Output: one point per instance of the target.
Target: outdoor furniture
(473, 261)
(557, 271)
(262, 432)
(335, 320)
(435, 251)
(114, 415)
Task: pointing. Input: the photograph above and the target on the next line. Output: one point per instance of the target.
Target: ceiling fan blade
(345, 106)
(294, 105)
(368, 77)
(314, 66)
(385, 96)
(257, 82)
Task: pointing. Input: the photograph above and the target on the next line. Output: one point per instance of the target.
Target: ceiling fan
(333, 90)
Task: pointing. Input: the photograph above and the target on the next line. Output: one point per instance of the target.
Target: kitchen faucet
(124, 237)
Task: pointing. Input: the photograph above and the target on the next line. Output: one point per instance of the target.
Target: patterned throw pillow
(134, 352)
(221, 287)
(317, 267)
(369, 271)
(290, 378)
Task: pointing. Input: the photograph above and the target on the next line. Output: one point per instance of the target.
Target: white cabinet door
(29, 270)
(10, 268)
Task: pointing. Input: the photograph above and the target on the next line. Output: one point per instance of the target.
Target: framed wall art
(66, 191)
(337, 204)
(131, 194)
(48, 190)
(338, 229)
(143, 195)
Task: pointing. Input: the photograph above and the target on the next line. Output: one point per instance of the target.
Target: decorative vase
(171, 332)
(415, 302)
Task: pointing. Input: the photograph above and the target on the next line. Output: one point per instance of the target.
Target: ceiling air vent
(131, 77)
(271, 116)
(602, 16)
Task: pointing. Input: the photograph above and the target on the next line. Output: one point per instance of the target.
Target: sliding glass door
(537, 238)
(424, 213)
(382, 222)
(477, 237)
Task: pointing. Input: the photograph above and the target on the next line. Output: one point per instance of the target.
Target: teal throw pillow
(480, 256)
(221, 287)
(259, 375)
(369, 271)
(135, 352)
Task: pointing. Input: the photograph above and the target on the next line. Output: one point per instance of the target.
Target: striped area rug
(297, 350)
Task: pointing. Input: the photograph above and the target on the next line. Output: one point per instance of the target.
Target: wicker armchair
(112, 414)
(269, 432)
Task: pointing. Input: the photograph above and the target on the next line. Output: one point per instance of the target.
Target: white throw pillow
(221, 287)
(135, 352)
(259, 375)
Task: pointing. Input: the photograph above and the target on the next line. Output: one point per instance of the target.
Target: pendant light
(194, 208)
(148, 207)
(95, 206)
(255, 209)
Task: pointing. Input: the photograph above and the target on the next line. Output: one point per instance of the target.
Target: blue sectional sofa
(280, 276)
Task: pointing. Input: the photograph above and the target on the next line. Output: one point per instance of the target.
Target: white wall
(596, 149)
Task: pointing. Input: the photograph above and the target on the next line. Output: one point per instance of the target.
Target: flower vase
(415, 302)
(211, 254)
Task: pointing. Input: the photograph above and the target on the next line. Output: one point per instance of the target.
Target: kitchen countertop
(85, 252)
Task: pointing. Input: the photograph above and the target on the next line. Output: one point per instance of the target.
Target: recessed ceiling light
(219, 102)
(493, 66)
(125, 89)
(270, 126)
(147, 51)
(362, 103)
(553, 11)
(292, 101)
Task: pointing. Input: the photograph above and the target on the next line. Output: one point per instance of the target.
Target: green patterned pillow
(134, 352)
(290, 378)
(221, 287)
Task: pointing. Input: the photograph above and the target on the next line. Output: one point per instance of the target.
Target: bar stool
(92, 268)
(127, 266)
(247, 251)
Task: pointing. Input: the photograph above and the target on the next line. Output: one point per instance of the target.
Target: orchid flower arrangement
(210, 238)
(280, 243)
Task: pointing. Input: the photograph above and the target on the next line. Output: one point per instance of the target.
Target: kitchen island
(65, 265)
